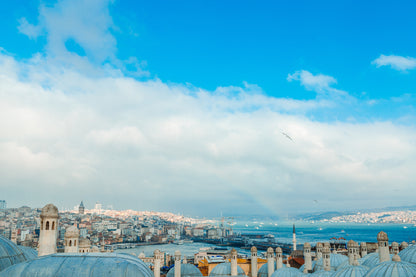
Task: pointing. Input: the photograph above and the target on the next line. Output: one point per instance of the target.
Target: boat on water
(178, 242)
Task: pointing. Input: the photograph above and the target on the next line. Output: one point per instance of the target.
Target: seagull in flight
(286, 135)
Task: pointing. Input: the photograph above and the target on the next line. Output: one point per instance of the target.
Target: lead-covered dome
(187, 270)
(264, 270)
(86, 264)
(393, 268)
(287, 272)
(372, 260)
(351, 270)
(11, 254)
(224, 269)
(335, 260)
(408, 254)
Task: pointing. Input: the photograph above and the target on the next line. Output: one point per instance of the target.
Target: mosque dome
(253, 249)
(335, 259)
(371, 260)
(287, 272)
(323, 273)
(72, 232)
(142, 255)
(224, 269)
(187, 270)
(350, 243)
(404, 245)
(409, 254)
(264, 270)
(382, 236)
(49, 210)
(306, 244)
(85, 264)
(11, 254)
(351, 270)
(393, 268)
(84, 243)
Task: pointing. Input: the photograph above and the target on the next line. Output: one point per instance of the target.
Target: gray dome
(323, 273)
(287, 272)
(351, 271)
(187, 270)
(371, 260)
(77, 264)
(28, 252)
(224, 269)
(11, 254)
(409, 254)
(335, 259)
(393, 269)
(264, 270)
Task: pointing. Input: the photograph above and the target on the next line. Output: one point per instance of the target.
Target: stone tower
(383, 247)
(319, 248)
(279, 258)
(177, 267)
(326, 258)
(48, 230)
(253, 261)
(308, 257)
(81, 208)
(72, 240)
(157, 263)
(270, 261)
(233, 262)
(363, 248)
(395, 248)
(352, 251)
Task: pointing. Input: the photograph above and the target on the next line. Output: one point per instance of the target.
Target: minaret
(253, 261)
(363, 247)
(279, 258)
(394, 248)
(294, 238)
(177, 267)
(71, 240)
(270, 261)
(308, 257)
(81, 208)
(326, 258)
(319, 248)
(156, 269)
(233, 262)
(48, 230)
(383, 247)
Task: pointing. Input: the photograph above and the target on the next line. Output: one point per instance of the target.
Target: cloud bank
(89, 131)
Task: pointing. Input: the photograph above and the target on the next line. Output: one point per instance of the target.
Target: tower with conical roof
(48, 230)
(81, 208)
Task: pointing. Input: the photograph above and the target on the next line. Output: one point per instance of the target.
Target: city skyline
(208, 107)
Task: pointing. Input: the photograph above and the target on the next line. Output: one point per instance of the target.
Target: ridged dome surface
(224, 269)
(187, 270)
(351, 271)
(409, 254)
(323, 273)
(81, 265)
(264, 270)
(372, 260)
(393, 269)
(335, 259)
(11, 254)
(287, 272)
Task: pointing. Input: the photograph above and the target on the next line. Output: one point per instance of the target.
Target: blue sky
(184, 83)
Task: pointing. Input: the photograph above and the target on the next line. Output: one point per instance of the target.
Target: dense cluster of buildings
(378, 217)
(107, 228)
(322, 259)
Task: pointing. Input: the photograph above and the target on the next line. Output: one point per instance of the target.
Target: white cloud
(149, 145)
(396, 62)
(322, 84)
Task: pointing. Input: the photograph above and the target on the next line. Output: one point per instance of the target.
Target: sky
(208, 107)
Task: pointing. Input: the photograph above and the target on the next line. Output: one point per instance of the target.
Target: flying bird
(286, 135)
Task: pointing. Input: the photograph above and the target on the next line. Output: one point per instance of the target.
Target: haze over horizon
(207, 107)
